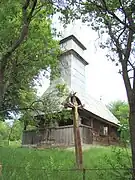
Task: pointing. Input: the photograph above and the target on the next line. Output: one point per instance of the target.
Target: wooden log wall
(63, 136)
(86, 134)
(57, 136)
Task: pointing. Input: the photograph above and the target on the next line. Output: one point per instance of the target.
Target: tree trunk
(132, 135)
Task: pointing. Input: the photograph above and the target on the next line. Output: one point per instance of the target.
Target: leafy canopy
(120, 109)
(27, 48)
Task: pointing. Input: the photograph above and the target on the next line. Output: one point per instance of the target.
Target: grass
(29, 164)
(10, 143)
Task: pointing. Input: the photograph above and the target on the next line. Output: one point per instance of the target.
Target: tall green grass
(54, 164)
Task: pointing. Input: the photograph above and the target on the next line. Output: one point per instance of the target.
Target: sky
(103, 81)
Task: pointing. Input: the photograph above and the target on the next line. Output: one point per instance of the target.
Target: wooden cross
(77, 138)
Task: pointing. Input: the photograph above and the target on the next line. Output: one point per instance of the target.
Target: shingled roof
(91, 104)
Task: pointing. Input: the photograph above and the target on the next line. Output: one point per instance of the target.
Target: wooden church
(97, 124)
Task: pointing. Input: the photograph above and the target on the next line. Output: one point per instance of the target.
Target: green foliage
(57, 163)
(15, 133)
(37, 51)
(120, 110)
(4, 129)
(118, 163)
(51, 107)
(10, 133)
(48, 110)
(62, 89)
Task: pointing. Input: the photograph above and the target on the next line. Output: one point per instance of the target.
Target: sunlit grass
(54, 164)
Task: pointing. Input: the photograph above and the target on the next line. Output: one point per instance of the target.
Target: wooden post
(77, 137)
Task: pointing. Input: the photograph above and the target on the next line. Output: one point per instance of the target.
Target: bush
(118, 165)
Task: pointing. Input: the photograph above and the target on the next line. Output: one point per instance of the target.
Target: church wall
(77, 75)
(65, 68)
(59, 136)
(104, 133)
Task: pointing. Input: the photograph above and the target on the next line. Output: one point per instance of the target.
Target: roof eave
(102, 119)
(72, 51)
(74, 39)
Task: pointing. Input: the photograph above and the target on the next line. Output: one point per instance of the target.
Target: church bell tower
(72, 63)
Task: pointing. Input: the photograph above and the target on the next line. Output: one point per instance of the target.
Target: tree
(10, 131)
(120, 109)
(27, 48)
(15, 131)
(47, 110)
(116, 20)
(4, 129)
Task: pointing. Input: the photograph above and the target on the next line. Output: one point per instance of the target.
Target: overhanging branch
(26, 18)
(122, 60)
(106, 9)
(129, 40)
(32, 10)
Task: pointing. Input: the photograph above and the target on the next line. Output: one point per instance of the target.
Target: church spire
(72, 63)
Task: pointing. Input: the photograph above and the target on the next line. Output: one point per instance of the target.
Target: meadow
(59, 164)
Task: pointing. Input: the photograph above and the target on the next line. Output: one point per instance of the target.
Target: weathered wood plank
(59, 135)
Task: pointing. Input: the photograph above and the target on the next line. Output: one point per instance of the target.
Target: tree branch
(122, 61)
(106, 9)
(26, 21)
(123, 9)
(115, 41)
(32, 10)
(129, 41)
(134, 81)
(37, 10)
(20, 39)
(121, 33)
